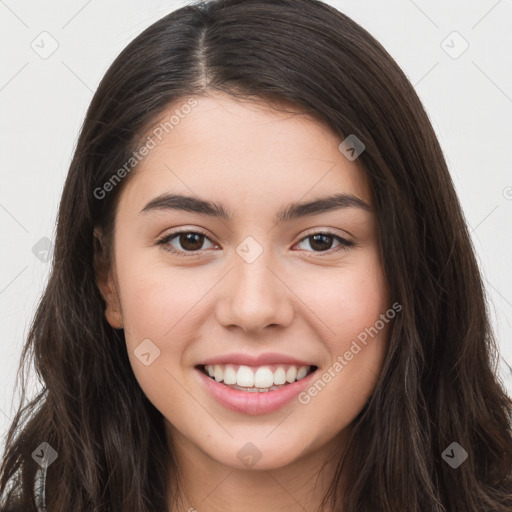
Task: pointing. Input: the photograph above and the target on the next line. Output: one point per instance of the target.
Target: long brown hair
(438, 384)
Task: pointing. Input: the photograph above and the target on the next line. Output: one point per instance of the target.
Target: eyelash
(164, 241)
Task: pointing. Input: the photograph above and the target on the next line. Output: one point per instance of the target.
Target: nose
(254, 296)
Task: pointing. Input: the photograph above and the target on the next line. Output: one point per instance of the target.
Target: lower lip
(254, 403)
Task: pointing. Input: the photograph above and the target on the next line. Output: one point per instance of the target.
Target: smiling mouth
(259, 379)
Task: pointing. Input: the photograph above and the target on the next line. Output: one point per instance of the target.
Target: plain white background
(457, 54)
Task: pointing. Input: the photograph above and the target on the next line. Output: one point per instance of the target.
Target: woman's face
(247, 287)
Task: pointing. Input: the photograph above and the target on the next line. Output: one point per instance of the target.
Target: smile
(254, 390)
(257, 379)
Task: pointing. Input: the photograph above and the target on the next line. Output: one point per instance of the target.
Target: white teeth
(301, 372)
(291, 374)
(279, 376)
(256, 379)
(245, 377)
(254, 390)
(229, 375)
(219, 374)
(263, 378)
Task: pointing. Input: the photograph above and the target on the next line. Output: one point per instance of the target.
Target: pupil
(323, 238)
(188, 239)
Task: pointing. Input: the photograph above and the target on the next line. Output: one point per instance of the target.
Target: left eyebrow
(290, 212)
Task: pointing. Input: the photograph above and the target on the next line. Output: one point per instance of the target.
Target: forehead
(243, 154)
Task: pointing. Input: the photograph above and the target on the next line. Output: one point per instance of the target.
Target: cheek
(354, 305)
(155, 297)
(157, 308)
(349, 299)
(162, 304)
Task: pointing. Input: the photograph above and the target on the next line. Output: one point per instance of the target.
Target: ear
(105, 281)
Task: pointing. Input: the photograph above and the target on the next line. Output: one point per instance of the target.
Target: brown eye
(183, 242)
(191, 241)
(323, 242)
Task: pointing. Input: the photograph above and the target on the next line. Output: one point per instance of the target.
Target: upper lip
(260, 360)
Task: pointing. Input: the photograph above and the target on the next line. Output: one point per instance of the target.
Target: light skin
(304, 298)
